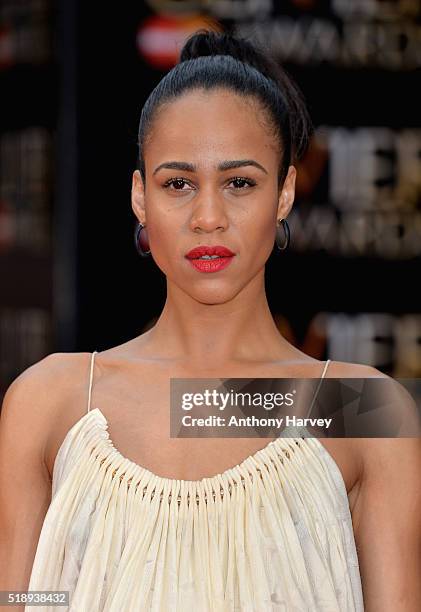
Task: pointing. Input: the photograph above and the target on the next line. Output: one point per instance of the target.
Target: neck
(241, 329)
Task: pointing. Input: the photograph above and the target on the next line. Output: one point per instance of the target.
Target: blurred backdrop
(74, 76)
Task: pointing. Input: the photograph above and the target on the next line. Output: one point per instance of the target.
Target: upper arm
(386, 514)
(25, 485)
(387, 524)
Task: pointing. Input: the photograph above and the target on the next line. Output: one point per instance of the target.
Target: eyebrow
(226, 164)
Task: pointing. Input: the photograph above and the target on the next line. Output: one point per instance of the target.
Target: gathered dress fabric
(274, 533)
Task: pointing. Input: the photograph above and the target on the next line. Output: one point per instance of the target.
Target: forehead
(213, 124)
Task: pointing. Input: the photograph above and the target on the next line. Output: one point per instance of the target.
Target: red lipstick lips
(209, 250)
(214, 258)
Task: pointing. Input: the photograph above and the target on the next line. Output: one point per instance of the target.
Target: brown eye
(177, 184)
(240, 183)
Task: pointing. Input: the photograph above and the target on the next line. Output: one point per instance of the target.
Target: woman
(142, 521)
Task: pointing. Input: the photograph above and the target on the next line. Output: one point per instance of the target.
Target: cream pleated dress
(274, 533)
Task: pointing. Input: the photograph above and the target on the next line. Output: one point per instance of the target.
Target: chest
(139, 425)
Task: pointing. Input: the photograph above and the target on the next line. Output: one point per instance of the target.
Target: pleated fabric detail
(273, 533)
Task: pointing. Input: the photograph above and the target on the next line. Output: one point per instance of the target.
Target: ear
(287, 195)
(138, 197)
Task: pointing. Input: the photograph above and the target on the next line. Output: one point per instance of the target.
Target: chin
(212, 296)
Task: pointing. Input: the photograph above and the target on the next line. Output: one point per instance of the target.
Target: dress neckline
(287, 445)
(251, 460)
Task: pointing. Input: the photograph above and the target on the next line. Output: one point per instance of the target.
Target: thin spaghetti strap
(325, 368)
(91, 379)
(318, 387)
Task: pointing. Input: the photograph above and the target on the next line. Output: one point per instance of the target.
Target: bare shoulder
(31, 395)
(393, 393)
(379, 456)
(344, 369)
(37, 404)
(38, 388)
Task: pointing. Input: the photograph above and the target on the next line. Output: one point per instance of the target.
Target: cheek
(164, 241)
(258, 234)
(159, 233)
(159, 222)
(161, 241)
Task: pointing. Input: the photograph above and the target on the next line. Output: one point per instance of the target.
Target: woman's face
(199, 201)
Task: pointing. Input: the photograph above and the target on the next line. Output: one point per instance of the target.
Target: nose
(208, 213)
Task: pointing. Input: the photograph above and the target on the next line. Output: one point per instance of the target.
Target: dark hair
(210, 60)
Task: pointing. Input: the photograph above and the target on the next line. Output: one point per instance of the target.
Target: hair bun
(208, 42)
